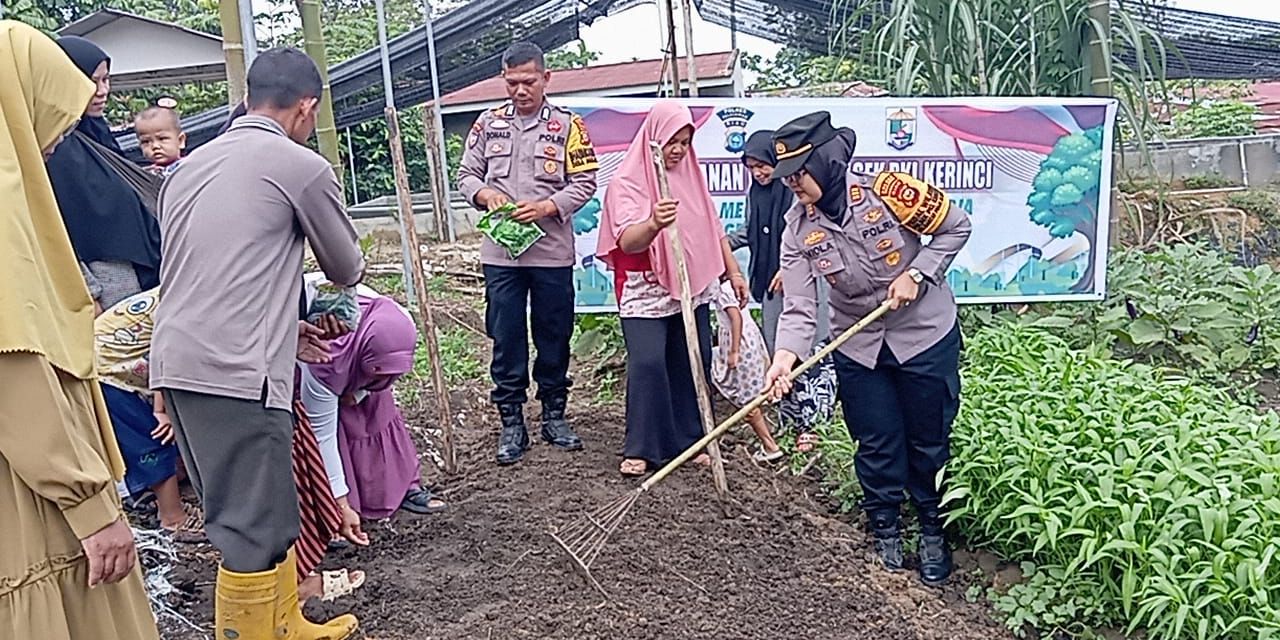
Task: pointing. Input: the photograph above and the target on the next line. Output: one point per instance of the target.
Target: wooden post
(232, 50)
(1100, 33)
(438, 170)
(691, 334)
(690, 59)
(673, 58)
(425, 319)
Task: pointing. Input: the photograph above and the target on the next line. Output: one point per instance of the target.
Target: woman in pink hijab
(662, 406)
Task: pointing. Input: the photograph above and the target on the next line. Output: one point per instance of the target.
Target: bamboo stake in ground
(437, 169)
(425, 319)
(691, 333)
(232, 50)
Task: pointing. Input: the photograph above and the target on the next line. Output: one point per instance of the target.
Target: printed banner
(1034, 175)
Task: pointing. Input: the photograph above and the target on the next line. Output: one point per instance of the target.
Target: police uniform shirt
(879, 241)
(547, 156)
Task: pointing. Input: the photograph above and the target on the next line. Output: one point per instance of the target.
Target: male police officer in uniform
(538, 157)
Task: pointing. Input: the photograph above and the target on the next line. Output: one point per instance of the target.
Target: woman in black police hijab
(109, 226)
(899, 380)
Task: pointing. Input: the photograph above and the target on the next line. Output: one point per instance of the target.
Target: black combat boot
(555, 429)
(514, 440)
(886, 529)
(935, 553)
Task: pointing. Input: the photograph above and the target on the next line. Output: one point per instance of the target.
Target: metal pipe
(248, 33)
(1244, 164)
(388, 93)
(351, 160)
(439, 120)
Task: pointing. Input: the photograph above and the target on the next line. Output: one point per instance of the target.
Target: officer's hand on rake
(777, 381)
(902, 291)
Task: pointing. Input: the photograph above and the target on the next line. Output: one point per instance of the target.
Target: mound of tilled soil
(778, 566)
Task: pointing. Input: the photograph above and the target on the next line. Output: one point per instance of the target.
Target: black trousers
(517, 299)
(900, 414)
(662, 403)
(239, 456)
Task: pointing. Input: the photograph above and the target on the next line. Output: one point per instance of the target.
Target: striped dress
(320, 517)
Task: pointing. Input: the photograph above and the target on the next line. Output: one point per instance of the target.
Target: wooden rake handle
(734, 419)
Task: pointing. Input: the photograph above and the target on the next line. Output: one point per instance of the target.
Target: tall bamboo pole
(1099, 63)
(409, 231)
(313, 42)
(686, 9)
(232, 50)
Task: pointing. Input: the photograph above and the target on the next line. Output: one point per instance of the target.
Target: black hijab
(828, 164)
(767, 206)
(87, 56)
(104, 216)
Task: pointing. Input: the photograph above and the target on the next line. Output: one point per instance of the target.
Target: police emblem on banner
(735, 121)
(900, 127)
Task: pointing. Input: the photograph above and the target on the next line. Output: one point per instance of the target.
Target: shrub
(1206, 181)
(1218, 119)
(1142, 498)
(1258, 203)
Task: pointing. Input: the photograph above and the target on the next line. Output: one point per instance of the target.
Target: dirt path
(778, 565)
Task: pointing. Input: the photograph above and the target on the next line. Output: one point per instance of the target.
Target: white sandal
(765, 456)
(340, 583)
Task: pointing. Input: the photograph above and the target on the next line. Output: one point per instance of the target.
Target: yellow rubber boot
(245, 605)
(289, 623)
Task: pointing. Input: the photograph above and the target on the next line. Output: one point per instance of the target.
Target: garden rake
(584, 539)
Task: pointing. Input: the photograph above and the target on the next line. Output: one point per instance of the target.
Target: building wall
(1250, 161)
(136, 46)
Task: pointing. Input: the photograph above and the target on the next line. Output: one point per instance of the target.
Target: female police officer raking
(899, 378)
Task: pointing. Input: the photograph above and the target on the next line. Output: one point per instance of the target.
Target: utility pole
(686, 7)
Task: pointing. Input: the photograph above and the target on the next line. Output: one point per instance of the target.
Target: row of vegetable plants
(1115, 451)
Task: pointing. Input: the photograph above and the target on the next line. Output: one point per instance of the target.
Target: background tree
(797, 67)
(1065, 193)
(572, 56)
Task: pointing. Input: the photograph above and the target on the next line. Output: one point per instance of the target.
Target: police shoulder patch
(918, 205)
(580, 155)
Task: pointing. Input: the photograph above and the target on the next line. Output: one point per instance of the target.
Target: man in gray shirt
(539, 157)
(232, 220)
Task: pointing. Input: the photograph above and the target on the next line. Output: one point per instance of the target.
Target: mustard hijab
(45, 307)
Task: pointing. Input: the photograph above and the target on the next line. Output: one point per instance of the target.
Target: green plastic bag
(515, 237)
(341, 302)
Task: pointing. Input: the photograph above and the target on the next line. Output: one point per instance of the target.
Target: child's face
(161, 142)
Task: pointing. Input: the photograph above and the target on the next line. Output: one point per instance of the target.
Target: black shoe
(514, 440)
(555, 429)
(935, 560)
(887, 533)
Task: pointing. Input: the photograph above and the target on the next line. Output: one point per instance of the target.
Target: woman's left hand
(740, 289)
(734, 358)
(902, 291)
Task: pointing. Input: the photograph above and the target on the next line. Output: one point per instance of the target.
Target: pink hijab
(633, 192)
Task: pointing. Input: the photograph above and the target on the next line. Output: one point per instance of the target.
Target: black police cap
(794, 141)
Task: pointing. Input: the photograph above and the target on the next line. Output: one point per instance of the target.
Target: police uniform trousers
(900, 414)
(518, 299)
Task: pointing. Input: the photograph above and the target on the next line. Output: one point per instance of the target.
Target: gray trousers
(239, 456)
(771, 309)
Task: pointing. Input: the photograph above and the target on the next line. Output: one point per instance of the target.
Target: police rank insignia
(814, 238)
(884, 244)
(856, 194)
(872, 216)
(900, 127)
(893, 259)
(554, 126)
(550, 166)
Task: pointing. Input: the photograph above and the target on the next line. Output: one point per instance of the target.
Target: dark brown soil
(774, 564)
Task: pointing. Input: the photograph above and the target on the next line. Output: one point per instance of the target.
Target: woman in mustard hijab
(68, 568)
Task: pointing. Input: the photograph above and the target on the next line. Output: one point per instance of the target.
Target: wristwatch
(916, 275)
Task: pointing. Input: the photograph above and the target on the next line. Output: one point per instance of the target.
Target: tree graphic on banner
(1065, 194)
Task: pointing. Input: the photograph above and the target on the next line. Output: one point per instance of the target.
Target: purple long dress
(378, 455)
